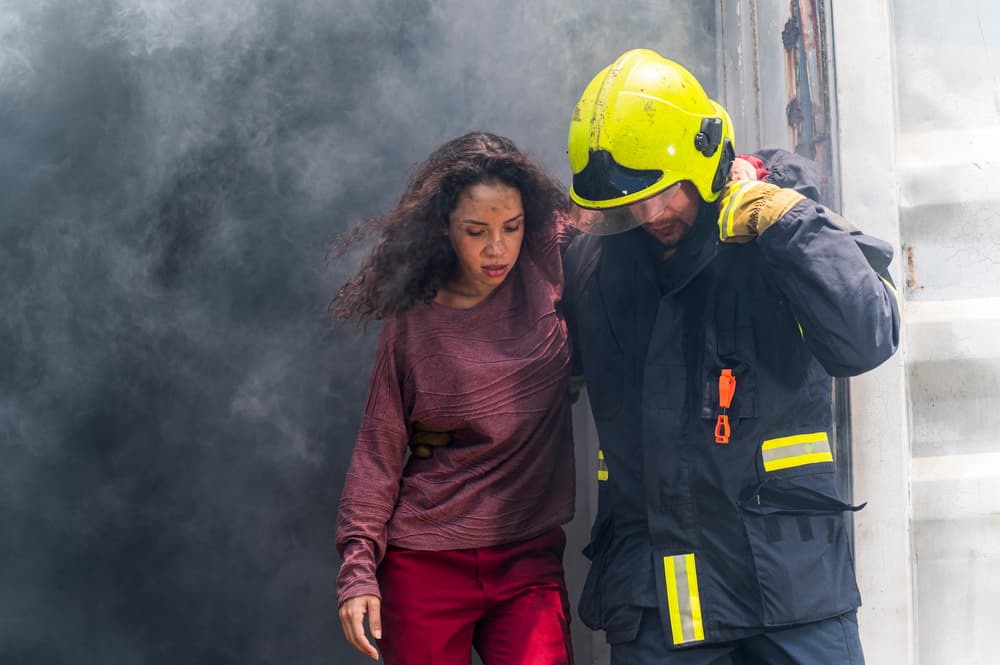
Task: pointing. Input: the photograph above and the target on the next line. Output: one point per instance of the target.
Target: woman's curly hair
(412, 257)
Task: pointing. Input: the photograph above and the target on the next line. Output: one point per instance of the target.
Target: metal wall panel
(921, 91)
(947, 59)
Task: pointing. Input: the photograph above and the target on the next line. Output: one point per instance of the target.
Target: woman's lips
(495, 270)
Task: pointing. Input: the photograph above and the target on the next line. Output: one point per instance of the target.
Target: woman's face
(486, 229)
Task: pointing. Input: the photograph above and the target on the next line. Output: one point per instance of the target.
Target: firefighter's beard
(669, 231)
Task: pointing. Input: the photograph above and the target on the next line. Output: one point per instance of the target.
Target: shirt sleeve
(550, 244)
(762, 172)
(372, 484)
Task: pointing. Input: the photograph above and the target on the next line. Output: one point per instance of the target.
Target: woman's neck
(462, 296)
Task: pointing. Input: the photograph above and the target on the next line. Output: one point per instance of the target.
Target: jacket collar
(632, 277)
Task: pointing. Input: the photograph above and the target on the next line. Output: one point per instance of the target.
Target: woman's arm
(370, 492)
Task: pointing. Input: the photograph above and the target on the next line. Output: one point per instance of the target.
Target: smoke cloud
(176, 411)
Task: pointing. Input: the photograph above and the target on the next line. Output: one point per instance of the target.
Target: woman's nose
(496, 246)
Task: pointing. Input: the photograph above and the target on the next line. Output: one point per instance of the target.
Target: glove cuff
(773, 206)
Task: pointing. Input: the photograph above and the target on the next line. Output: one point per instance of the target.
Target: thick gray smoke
(176, 412)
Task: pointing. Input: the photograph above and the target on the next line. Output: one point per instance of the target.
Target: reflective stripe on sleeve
(683, 600)
(735, 198)
(797, 450)
(892, 290)
(602, 466)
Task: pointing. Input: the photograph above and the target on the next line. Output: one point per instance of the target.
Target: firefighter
(709, 316)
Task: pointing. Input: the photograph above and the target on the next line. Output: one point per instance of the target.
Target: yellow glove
(748, 207)
(425, 439)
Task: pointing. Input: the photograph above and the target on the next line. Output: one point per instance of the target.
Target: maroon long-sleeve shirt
(496, 376)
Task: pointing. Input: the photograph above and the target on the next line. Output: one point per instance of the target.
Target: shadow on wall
(176, 413)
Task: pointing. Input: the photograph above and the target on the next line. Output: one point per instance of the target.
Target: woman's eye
(512, 229)
(475, 234)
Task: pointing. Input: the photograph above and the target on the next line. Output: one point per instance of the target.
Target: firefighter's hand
(425, 439)
(352, 620)
(748, 207)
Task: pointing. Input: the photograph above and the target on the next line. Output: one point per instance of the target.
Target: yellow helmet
(643, 124)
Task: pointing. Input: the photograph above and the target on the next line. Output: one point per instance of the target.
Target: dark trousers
(829, 642)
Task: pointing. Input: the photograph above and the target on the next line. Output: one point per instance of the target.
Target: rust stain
(911, 269)
(790, 35)
(806, 83)
(793, 112)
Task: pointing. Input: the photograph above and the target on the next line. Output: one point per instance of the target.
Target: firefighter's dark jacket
(726, 539)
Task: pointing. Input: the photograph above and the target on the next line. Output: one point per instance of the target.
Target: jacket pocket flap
(794, 496)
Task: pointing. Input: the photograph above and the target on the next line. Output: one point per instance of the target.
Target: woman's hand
(352, 620)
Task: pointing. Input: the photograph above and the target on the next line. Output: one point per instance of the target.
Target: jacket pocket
(798, 540)
(601, 600)
(597, 552)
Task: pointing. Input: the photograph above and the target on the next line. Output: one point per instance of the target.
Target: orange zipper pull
(722, 429)
(727, 388)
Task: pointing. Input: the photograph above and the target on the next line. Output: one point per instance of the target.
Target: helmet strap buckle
(707, 140)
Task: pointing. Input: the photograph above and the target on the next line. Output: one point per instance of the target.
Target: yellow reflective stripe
(800, 460)
(683, 599)
(675, 614)
(797, 450)
(699, 629)
(892, 289)
(734, 200)
(602, 466)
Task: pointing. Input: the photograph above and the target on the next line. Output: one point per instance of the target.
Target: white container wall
(919, 95)
(947, 64)
(914, 103)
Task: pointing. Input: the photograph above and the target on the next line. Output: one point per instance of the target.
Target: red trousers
(508, 601)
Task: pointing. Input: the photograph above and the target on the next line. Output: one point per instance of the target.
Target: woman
(464, 548)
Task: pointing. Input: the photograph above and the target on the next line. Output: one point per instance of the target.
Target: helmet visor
(623, 218)
(604, 180)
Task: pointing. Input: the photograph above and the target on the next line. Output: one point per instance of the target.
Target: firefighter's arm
(834, 276)
(577, 382)
(567, 306)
